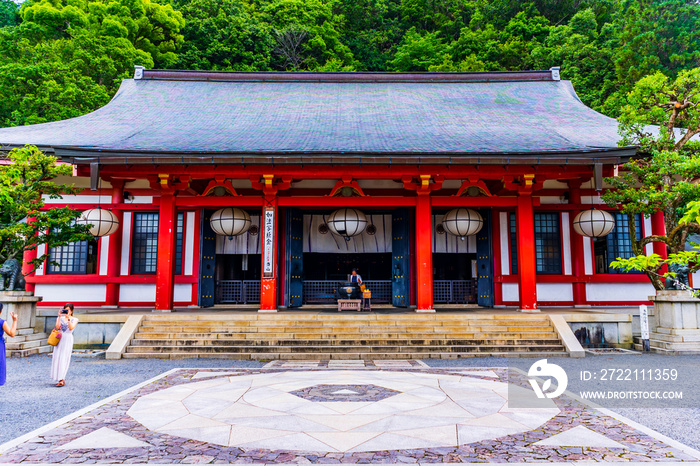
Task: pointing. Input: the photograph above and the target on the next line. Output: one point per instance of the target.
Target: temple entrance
(237, 278)
(324, 271)
(318, 262)
(454, 278)
(462, 267)
(230, 268)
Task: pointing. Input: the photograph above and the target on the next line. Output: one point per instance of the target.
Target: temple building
(397, 156)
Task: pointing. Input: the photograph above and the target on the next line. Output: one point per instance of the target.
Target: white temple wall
(70, 292)
(546, 292)
(619, 292)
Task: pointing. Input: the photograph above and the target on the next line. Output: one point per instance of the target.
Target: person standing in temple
(355, 278)
(11, 331)
(62, 352)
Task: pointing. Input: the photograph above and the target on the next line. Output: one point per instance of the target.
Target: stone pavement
(354, 412)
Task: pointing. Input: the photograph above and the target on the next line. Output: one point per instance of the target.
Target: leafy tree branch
(25, 183)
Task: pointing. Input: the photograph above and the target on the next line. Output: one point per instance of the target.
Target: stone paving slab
(534, 441)
(347, 363)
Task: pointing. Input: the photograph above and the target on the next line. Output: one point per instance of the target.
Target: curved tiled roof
(203, 116)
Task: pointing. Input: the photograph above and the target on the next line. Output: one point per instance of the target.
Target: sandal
(61, 383)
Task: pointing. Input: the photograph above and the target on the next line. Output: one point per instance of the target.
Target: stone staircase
(297, 336)
(26, 344)
(669, 344)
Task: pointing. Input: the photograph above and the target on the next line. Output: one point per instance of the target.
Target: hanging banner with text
(269, 242)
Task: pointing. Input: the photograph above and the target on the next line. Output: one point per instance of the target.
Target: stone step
(266, 326)
(348, 318)
(23, 353)
(676, 346)
(376, 350)
(27, 338)
(297, 317)
(671, 338)
(342, 318)
(341, 330)
(340, 342)
(328, 336)
(25, 345)
(345, 336)
(669, 344)
(26, 342)
(331, 356)
(669, 352)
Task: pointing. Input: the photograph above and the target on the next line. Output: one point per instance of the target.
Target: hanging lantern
(102, 222)
(593, 223)
(347, 222)
(230, 221)
(462, 222)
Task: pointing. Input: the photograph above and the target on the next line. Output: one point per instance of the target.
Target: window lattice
(513, 246)
(616, 244)
(179, 237)
(144, 248)
(74, 258)
(548, 242)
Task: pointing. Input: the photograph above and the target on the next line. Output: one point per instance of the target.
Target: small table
(367, 300)
(349, 305)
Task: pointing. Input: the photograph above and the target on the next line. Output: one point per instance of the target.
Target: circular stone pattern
(265, 411)
(335, 392)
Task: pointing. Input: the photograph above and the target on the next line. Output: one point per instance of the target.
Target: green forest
(64, 58)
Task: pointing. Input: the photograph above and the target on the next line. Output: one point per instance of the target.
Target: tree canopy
(9, 13)
(661, 116)
(66, 58)
(63, 58)
(24, 224)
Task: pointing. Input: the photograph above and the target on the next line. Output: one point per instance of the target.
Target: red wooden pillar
(268, 281)
(658, 227)
(165, 267)
(27, 269)
(578, 264)
(424, 254)
(114, 251)
(527, 281)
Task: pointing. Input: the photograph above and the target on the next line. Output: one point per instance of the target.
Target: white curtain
(241, 244)
(445, 242)
(380, 241)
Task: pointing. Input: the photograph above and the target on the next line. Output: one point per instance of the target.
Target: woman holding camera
(65, 323)
(11, 330)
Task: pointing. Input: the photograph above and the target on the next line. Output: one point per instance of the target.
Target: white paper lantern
(347, 222)
(230, 221)
(102, 222)
(462, 222)
(593, 223)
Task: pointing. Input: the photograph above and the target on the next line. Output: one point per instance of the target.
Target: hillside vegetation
(64, 58)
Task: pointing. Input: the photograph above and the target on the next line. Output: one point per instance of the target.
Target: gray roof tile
(421, 118)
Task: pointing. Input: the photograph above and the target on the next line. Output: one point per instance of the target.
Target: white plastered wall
(71, 292)
(146, 292)
(546, 292)
(619, 292)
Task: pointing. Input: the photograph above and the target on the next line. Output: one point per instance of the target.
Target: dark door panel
(294, 263)
(400, 258)
(207, 261)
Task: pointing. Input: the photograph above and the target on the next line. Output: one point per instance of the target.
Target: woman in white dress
(65, 323)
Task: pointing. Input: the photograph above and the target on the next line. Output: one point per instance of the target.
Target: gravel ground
(29, 399)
